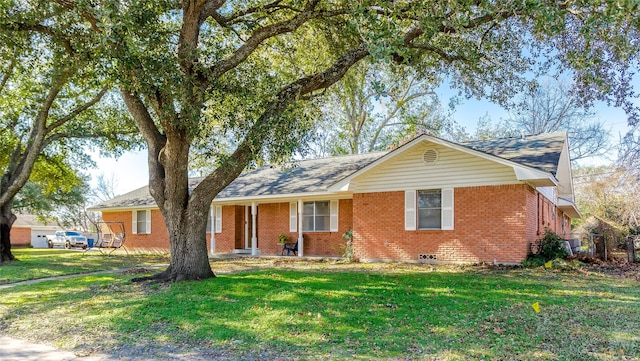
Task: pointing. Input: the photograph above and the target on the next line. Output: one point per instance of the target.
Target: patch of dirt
(618, 267)
(136, 271)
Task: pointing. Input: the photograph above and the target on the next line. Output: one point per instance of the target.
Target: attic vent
(430, 156)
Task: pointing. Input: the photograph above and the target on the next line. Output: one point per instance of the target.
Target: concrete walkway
(12, 349)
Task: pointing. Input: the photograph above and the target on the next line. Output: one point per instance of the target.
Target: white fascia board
(274, 198)
(569, 208)
(536, 177)
(122, 209)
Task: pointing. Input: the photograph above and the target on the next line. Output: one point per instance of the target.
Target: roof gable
(534, 159)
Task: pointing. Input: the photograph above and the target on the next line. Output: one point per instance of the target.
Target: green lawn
(322, 310)
(37, 263)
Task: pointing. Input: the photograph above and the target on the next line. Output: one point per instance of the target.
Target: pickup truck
(67, 239)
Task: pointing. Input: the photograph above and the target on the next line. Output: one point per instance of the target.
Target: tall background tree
(246, 73)
(551, 107)
(49, 89)
(554, 107)
(375, 106)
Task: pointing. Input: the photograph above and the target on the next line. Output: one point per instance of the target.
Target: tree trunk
(6, 221)
(189, 254)
(187, 237)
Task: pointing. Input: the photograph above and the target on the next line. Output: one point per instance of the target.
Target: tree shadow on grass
(297, 314)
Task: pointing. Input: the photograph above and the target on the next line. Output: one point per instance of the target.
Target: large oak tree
(49, 88)
(242, 73)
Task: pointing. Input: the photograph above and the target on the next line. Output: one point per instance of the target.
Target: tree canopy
(244, 73)
(49, 88)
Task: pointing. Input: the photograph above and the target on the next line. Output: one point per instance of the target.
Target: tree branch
(210, 8)
(38, 28)
(264, 33)
(155, 141)
(70, 4)
(253, 141)
(7, 74)
(78, 110)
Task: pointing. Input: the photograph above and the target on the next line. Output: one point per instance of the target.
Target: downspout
(537, 213)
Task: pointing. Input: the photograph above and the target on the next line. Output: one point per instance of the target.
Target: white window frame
(210, 220)
(411, 210)
(333, 216)
(134, 221)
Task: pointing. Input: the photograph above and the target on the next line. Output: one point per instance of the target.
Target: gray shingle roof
(540, 151)
(317, 175)
(307, 176)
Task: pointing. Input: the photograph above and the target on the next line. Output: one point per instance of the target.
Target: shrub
(348, 249)
(549, 247)
(552, 246)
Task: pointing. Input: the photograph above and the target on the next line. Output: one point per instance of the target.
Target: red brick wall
(490, 223)
(158, 239)
(226, 241)
(20, 236)
(549, 217)
(273, 219)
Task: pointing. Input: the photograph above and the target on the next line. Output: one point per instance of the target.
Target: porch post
(246, 227)
(254, 238)
(212, 216)
(300, 237)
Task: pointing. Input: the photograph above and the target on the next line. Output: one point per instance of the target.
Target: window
(316, 216)
(430, 209)
(209, 223)
(141, 222)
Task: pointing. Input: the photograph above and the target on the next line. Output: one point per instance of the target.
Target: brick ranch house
(430, 200)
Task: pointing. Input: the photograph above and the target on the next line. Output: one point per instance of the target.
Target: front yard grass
(268, 309)
(34, 263)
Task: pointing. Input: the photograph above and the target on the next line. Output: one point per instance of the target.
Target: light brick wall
(490, 224)
(20, 237)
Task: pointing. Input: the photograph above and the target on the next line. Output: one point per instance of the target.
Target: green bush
(549, 247)
(533, 261)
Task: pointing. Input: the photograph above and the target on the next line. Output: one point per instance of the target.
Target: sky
(130, 171)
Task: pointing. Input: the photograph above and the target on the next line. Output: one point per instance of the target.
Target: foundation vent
(430, 156)
(427, 257)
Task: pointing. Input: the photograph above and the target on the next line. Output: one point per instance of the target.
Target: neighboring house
(27, 230)
(429, 199)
